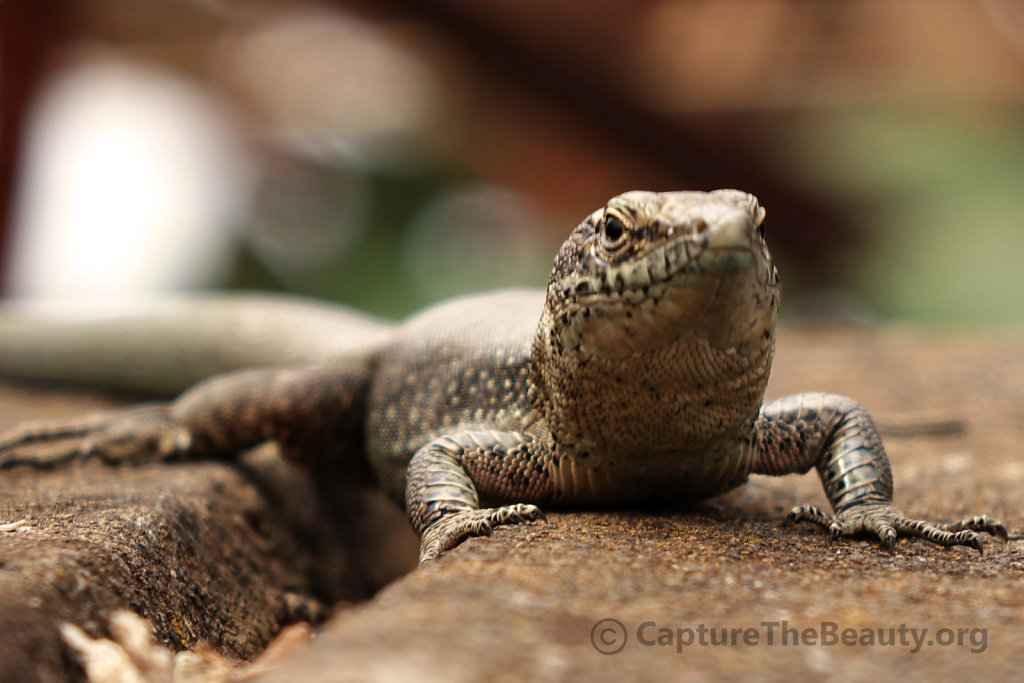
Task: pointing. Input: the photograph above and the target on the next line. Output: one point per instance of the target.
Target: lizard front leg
(307, 410)
(448, 477)
(836, 435)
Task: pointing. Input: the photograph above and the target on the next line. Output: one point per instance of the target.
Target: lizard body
(637, 376)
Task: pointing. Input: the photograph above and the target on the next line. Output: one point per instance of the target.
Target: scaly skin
(638, 377)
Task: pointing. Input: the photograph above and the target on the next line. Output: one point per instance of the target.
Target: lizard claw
(452, 529)
(887, 538)
(888, 524)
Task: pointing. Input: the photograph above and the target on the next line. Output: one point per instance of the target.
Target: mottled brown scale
(639, 376)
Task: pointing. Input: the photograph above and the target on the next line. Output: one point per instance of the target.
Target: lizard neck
(693, 392)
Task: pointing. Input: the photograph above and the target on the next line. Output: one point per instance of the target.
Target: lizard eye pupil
(762, 229)
(613, 230)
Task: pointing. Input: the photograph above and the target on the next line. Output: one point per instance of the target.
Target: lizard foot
(114, 438)
(888, 523)
(454, 528)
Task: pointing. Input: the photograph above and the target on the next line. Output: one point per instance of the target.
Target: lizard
(637, 376)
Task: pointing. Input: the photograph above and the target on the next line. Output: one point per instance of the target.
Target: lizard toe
(810, 513)
(982, 523)
(888, 524)
(454, 528)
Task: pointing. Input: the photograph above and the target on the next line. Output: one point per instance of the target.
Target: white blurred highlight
(132, 184)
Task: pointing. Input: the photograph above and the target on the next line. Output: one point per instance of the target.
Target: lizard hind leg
(123, 436)
(447, 476)
(319, 405)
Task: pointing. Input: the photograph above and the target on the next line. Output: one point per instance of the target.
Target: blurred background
(391, 153)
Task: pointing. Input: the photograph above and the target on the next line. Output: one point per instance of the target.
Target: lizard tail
(160, 347)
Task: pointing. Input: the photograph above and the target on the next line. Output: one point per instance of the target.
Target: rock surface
(204, 553)
(210, 553)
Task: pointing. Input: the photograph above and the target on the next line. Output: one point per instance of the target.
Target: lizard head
(651, 267)
(656, 341)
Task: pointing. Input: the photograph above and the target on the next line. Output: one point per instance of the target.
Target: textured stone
(224, 554)
(199, 551)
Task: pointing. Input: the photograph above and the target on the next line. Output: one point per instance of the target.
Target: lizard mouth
(682, 286)
(727, 247)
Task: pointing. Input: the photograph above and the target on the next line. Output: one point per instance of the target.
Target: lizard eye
(613, 233)
(762, 228)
